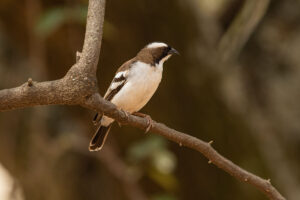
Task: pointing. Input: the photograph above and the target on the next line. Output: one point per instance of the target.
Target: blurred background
(243, 95)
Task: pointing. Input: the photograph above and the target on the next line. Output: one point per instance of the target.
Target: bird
(132, 87)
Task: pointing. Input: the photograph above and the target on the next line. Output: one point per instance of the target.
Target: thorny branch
(79, 87)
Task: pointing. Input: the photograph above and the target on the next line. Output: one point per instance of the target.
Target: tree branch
(97, 103)
(79, 87)
(80, 81)
(241, 28)
(93, 37)
(33, 94)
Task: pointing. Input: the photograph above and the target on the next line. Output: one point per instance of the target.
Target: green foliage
(161, 161)
(167, 181)
(53, 18)
(145, 148)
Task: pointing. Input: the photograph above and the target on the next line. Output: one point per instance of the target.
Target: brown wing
(116, 85)
(126, 65)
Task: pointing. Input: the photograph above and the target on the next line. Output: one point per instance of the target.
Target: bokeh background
(249, 106)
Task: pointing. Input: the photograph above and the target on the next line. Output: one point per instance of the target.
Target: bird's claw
(149, 122)
(126, 115)
(148, 118)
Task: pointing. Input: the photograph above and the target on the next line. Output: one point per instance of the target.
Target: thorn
(267, 190)
(245, 179)
(210, 142)
(78, 55)
(269, 181)
(29, 82)
(209, 162)
(180, 144)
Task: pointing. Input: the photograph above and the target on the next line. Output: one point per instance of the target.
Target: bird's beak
(173, 51)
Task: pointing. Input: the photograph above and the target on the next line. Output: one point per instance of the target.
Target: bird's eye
(164, 52)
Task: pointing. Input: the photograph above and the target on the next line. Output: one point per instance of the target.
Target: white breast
(143, 80)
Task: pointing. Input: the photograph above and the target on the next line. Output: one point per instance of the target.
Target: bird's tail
(99, 138)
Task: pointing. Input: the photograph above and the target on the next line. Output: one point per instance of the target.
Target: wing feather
(119, 80)
(116, 85)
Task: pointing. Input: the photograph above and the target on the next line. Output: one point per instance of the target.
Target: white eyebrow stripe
(156, 45)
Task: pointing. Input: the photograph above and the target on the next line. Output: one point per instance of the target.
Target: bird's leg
(147, 117)
(97, 119)
(126, 115)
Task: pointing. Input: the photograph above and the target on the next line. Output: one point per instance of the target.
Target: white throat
(161, 62)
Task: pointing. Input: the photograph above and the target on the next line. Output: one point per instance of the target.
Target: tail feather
(99, 138)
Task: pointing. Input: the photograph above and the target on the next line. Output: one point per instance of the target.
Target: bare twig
(79, 87)
(231, 44)
(267, 139)
(97, 103)
(241, 28)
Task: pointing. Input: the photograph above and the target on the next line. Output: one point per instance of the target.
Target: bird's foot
(126, 115)
(147, 117)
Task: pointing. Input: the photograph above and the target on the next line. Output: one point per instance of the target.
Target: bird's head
(156, 53)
